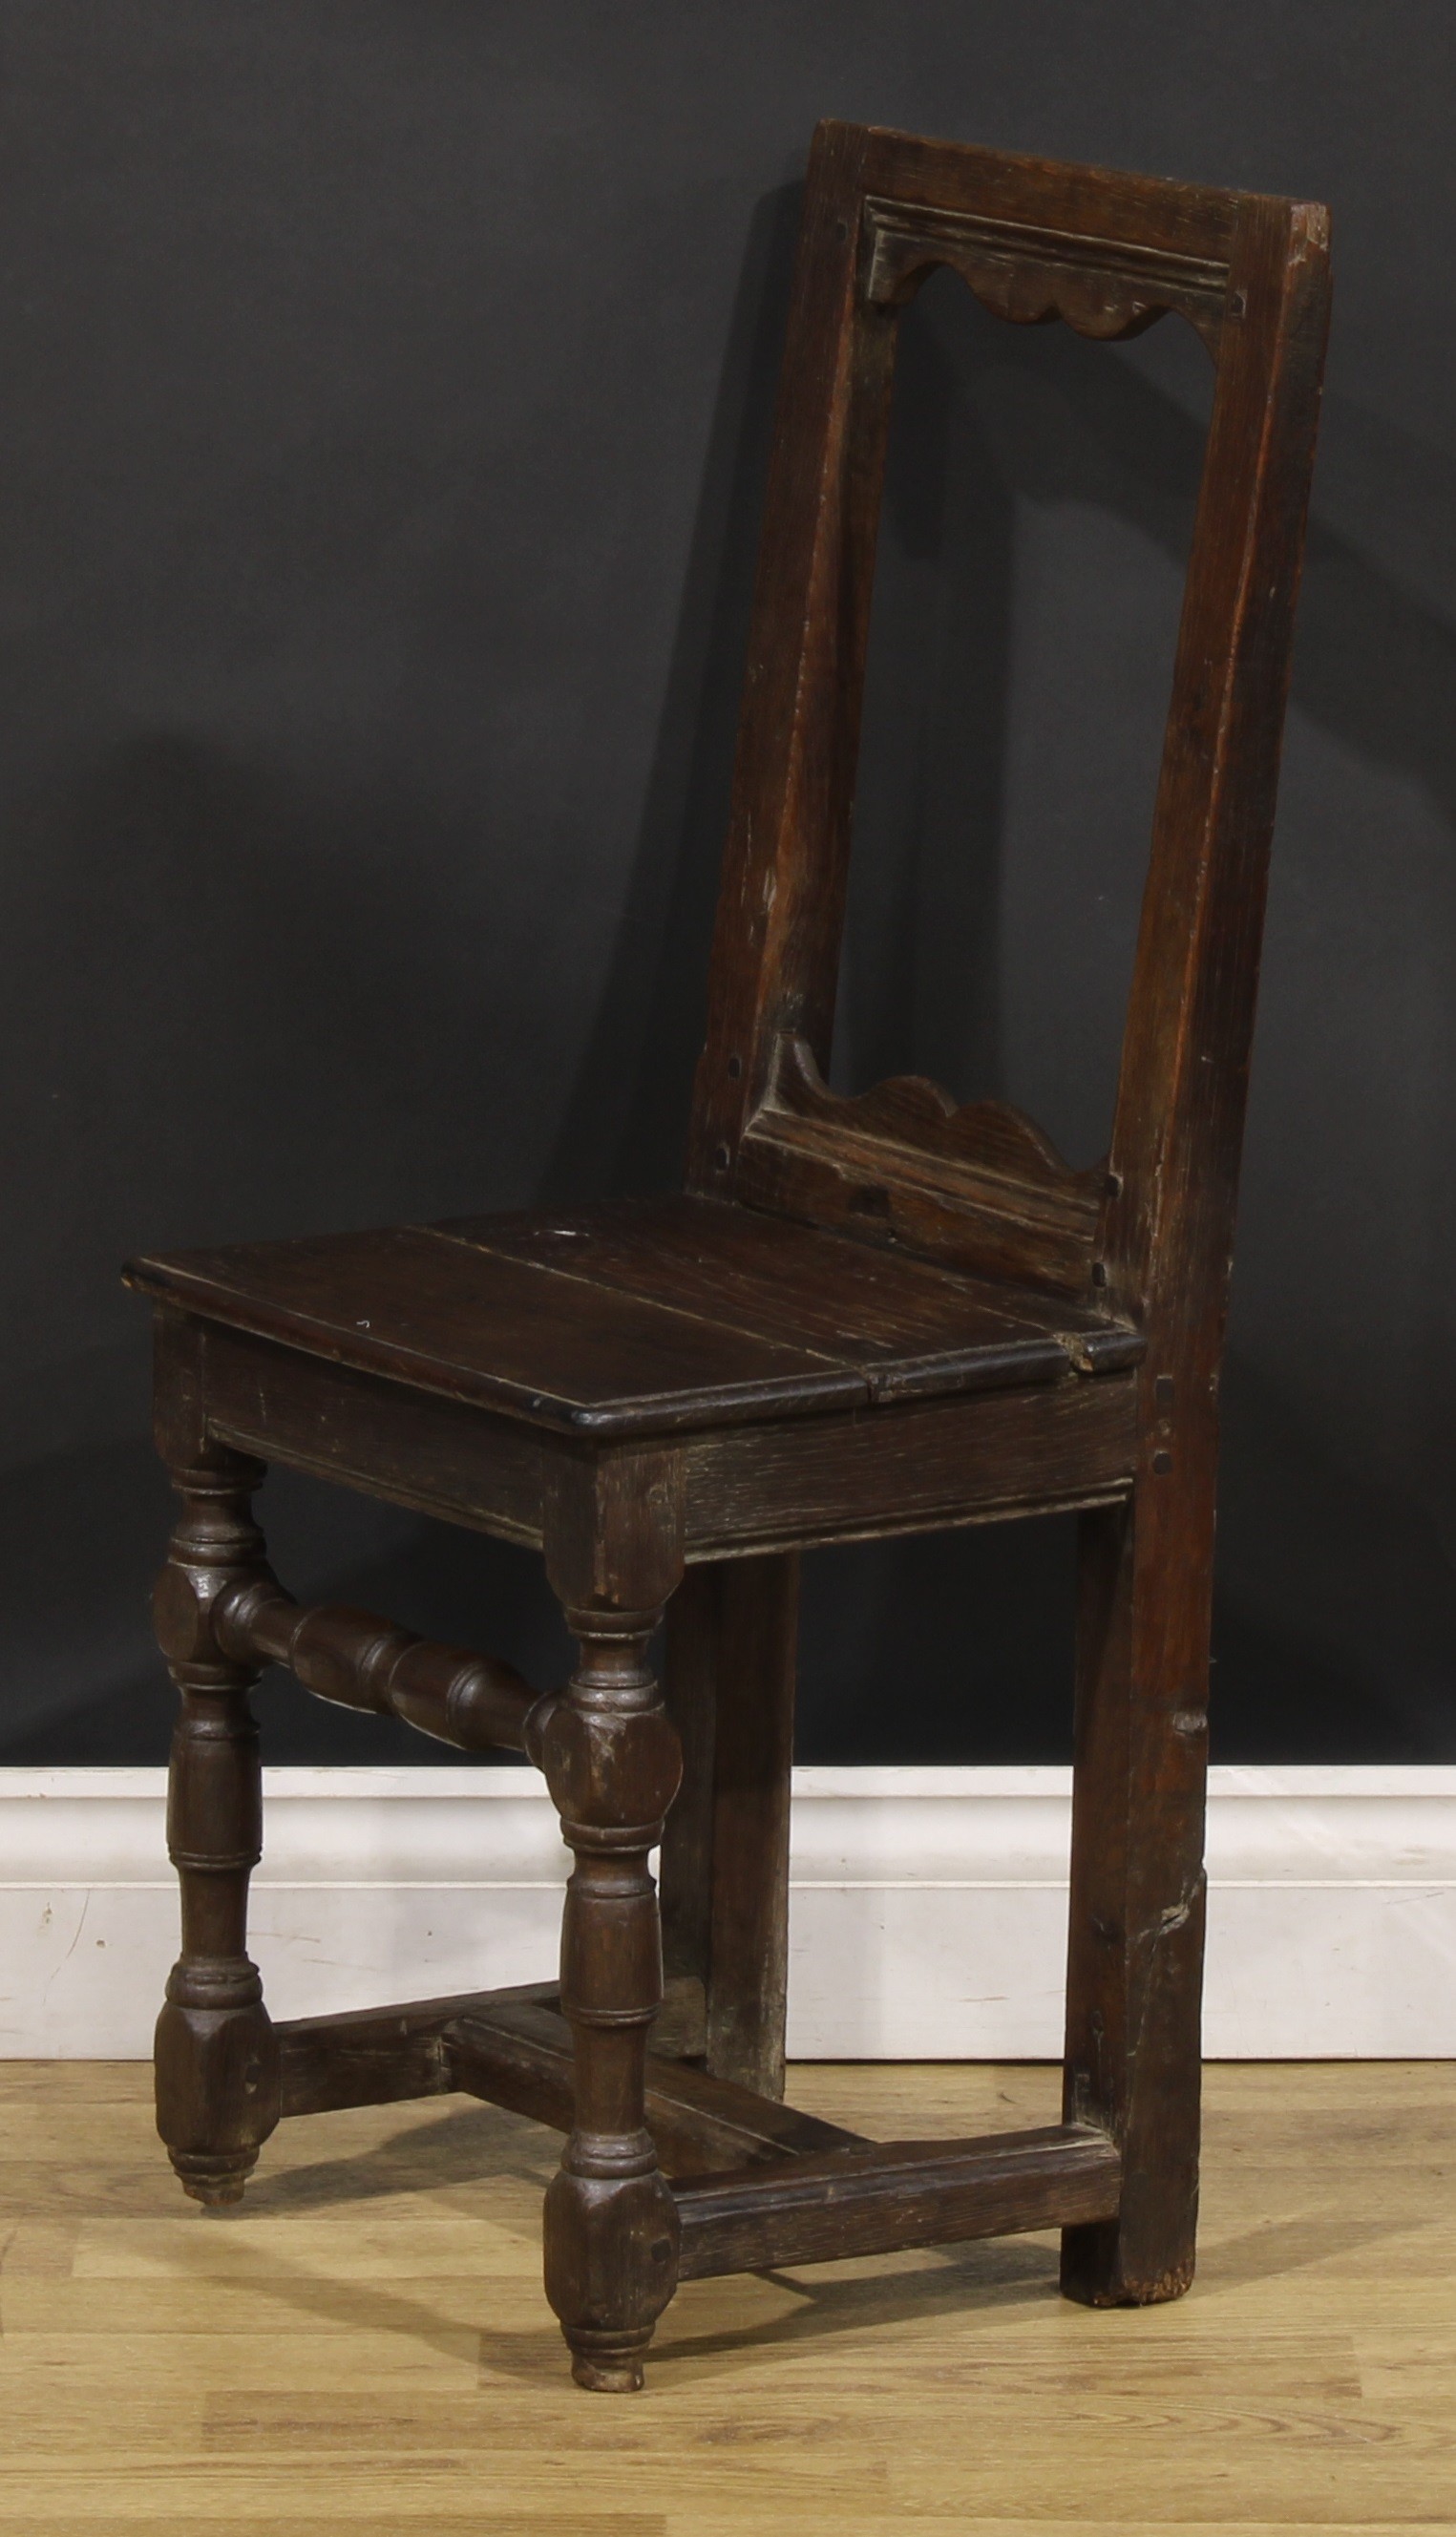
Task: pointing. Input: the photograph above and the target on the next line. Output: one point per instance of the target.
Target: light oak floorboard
(365, 2344)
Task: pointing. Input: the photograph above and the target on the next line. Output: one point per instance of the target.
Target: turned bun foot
(217, 2182)
(609, 2363)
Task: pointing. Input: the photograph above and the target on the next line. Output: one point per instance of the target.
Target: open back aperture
(980, 1188)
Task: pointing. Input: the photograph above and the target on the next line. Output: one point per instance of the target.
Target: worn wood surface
(908, 1327)
(729, 1679)
(893, 2194)
(642, 1317)
(690, 1667)
(868, 1314)
(382, 2056)
(217, 2068)
(1028, 274)
(911, 1466)
(976, 1188)
(355, 1659)
(448, 1315)
(611, 1760)
(364, 2345)
(746, 1978)
(365, 1431)
(911, 1469)
(519, 2055)
(1167, 1242)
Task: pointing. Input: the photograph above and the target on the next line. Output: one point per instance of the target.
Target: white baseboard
(928, 1912)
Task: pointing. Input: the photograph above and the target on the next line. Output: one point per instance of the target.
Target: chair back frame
(980, 1188)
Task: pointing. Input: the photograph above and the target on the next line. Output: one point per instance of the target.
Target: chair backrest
(980, 1188)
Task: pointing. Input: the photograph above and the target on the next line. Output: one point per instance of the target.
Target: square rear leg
(732, 1636)
(1135, 1971)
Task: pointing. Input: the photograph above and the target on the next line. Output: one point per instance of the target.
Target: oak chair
(862, 1316)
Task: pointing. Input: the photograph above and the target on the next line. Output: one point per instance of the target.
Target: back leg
(733, 1631)
(1135, 1975)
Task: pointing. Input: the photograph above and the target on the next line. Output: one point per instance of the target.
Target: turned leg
(1135, 1975)
(731, 1674)
(217, 2058)
(612, 1764)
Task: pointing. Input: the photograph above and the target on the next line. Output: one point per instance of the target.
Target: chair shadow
(985, 2278)
(465, 2150)
(470, 2145)
(1268, 2253)
(478, 2146)
(1047, 424)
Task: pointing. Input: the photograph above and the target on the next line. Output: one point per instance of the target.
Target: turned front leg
(217, 2057)
(612, 1762)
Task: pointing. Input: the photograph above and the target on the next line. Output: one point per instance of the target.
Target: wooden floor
(367, 2347)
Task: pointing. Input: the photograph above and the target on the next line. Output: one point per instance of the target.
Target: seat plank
(520, 2055)
(640, 1318)
(911, 1327)
(445, 1316)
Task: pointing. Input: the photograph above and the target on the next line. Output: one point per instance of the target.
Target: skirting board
(929, 1914)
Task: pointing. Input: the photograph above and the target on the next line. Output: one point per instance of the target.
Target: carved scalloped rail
(1032, 275)
(978, 1187)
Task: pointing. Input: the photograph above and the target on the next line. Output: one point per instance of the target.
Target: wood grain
(383, 2057)
(647, 1317)
(729, 1682)
(917, 1465)
(907, 1325)
(358, 1661)
(449, 1316)
(881, 2199)
(216, 2064)
(364, 2345)
(380, 2057)
(519, 2055)
(871, 1314)
(976, 1188)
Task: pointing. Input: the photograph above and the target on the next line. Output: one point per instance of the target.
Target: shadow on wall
(626, 1125)
(1338, 1548)
(208, 916)
(1336, 1608)
(213, 913)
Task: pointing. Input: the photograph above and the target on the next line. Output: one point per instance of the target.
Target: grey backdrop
(388, 391)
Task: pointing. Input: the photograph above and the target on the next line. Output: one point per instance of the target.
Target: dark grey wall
(388, 385)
